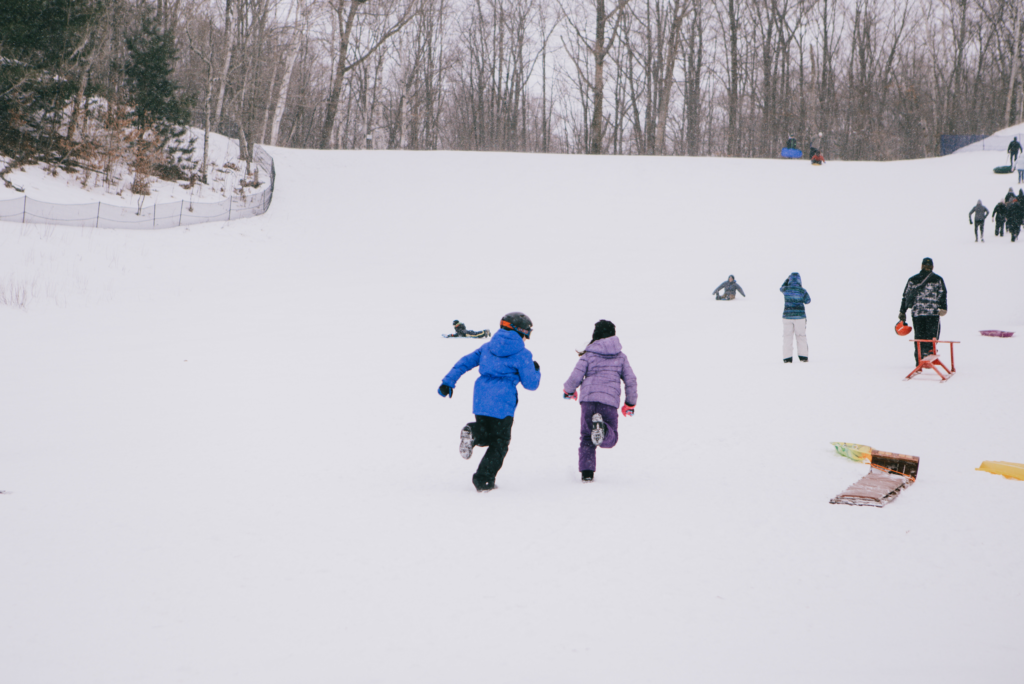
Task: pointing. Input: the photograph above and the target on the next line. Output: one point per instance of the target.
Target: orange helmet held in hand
(902, 328)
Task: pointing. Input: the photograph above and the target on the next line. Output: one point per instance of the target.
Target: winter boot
(483, 485)
(597, 431)
(588, 475)
(802, 358)
(466, 445)
(789, 360)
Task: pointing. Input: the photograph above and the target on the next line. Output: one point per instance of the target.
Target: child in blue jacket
(504, 363)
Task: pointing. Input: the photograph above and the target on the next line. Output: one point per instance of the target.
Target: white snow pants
(791, 326)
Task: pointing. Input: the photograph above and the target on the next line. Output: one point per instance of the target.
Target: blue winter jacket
(796, 297)
(504, 363)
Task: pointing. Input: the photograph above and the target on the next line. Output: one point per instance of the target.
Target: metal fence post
(181, 209)
(98, 205)
(24, 209)
(230, 199)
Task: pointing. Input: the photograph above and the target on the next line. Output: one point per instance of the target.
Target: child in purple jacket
(600, 368)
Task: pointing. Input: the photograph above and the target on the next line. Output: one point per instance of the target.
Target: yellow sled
(1013, 471)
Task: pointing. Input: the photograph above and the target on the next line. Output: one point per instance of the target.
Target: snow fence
(166, 215)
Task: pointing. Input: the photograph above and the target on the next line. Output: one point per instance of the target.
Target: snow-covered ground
(227, 460)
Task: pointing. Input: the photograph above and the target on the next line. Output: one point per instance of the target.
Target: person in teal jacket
(794, 318)
(504, 363)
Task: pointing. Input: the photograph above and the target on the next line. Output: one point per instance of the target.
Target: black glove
(446, 391)
(903, 318)
(536, 366)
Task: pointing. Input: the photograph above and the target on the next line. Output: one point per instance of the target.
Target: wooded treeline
(876, 79)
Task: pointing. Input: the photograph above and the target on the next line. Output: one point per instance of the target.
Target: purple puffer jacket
(599, 369)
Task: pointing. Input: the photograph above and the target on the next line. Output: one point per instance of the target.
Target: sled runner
(996, 333)
(933, 362)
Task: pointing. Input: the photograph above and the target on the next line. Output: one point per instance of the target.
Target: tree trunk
(230, 34)
(1014, 59)
(345, 22)
(733, 142)
(599, 50)
(668, 76)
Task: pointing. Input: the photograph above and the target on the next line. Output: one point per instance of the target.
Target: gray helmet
(518, 322)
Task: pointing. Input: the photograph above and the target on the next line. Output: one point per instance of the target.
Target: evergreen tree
(38, 41)
(155, 94)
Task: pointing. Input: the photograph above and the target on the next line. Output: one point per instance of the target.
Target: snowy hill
(227, 460)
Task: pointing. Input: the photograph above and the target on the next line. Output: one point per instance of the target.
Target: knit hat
(603, 329)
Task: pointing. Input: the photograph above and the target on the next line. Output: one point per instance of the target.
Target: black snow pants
(495, 434)
(1000, 222)
(979, 226)
(925, 328)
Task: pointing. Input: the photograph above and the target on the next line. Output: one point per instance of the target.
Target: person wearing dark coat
(1014, 149)
(1009, 193)
(728, 289)
(999, 214)
(977, 215)
(1014, 217)
(460, 331)
(925, 295)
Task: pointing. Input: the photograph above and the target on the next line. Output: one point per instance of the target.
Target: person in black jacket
(925, 296)
(460, 331)
(1014, 218)
(999, 214)
(979, 213)
(1014, 149)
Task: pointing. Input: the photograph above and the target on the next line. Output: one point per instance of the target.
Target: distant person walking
(1014, 217)
(1014, 149)
(925, 296)
(794, 318)
(728, 290)
(999, 214)
(977, 215)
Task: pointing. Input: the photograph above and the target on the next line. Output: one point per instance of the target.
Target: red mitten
(572, 396)
(627, 410)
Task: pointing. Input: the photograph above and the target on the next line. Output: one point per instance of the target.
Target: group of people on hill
(602, 370)
(817, 158)
(924, 296)
(505, 363)
(1008, 214)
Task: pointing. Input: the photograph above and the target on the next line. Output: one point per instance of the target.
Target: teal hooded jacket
(796, 296)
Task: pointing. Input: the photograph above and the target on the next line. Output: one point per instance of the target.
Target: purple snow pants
(588, 452)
